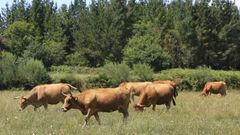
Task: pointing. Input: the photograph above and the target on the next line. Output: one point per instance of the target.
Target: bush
(142, 72)
(110, 75)
(7, 70)
(195, 79)
(73, 69)
(31, 73)
(72, 79)
(21, 73)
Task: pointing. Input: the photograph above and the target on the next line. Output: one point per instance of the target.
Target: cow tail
(174, 103)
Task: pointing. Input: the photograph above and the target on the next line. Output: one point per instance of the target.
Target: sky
(60, 2)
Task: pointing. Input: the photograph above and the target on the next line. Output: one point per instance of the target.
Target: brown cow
(44, 95)
(174, 85)
(90, 102)
(215, 88)
(134, 87)
(155, 94)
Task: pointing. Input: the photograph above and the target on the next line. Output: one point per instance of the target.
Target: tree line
(179, 34)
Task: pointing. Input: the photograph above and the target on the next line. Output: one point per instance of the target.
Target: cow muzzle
(21, 108)
(139, 107)
(64, 109)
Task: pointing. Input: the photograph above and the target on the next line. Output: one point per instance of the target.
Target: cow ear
(23, 98)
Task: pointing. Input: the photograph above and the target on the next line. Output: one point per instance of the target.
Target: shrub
(73, 69)
(72, 79)
(142, 72)
(17, 72)
(32, 72)
(98, 81)
(7, 70)
(110, 75)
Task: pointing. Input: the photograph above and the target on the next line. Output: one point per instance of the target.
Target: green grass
(193, 115)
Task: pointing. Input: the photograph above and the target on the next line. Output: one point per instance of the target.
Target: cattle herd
(92, 101)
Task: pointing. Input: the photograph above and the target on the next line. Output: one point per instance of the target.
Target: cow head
(23, 102)
(138, 107)
(69, 102)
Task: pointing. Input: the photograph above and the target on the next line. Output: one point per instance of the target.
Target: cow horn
(17, 97)
(65, 94)
(69, 94)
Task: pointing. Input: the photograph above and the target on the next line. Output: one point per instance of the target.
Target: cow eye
(68, 101)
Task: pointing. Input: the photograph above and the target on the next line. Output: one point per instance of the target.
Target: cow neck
(77, 103)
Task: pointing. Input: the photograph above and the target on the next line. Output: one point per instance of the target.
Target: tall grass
(193, 115)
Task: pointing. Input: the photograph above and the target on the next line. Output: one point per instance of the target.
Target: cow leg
(125, 115)
(203, 94)
(87, 117)
(168, 105)
(35, 107)
(45, 106)
(209, 93)
(97, 118)
(154, 107)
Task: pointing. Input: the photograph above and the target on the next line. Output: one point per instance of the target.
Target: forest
(158, 33)
(182, 33)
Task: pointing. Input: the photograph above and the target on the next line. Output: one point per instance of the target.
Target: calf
(90, 102)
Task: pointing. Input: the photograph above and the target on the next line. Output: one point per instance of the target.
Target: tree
(37, 15)
(146, 49)
(117, 30)
(19, 36)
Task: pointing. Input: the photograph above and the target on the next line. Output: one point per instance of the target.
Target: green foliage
(73, 69)
(76, 59)
(7, 70)
(146, 49)
(142, 72)
(194, 79)
(70, 78)
(99, 82)
(176, 34)
(19, 36)
(111, 75)
(31, 73)
(21, 73)
(55, 53)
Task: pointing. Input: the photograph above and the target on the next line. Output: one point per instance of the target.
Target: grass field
(193, 115)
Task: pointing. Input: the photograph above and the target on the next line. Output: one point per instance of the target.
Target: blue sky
(60, 2)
